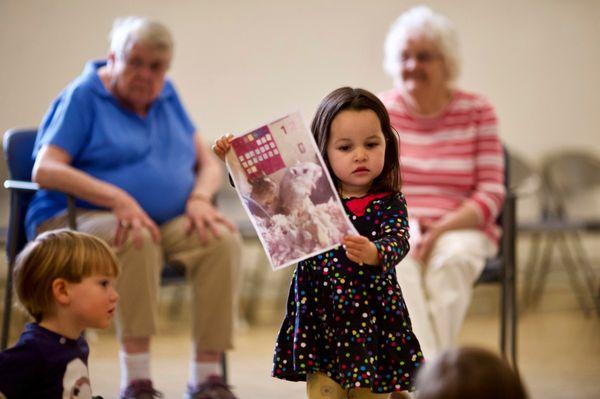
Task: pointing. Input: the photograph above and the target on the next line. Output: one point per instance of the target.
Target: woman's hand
(131, 219)
(431, 232)
(360, 250)
(222, 146)
(204, 217)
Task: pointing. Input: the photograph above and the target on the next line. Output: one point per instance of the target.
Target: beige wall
(239, 63)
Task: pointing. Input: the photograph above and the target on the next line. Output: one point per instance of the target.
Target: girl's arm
(393, 245)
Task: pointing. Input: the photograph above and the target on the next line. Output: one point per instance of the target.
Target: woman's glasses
(423, 57)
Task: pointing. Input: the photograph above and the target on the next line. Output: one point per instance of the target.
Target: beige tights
(319, 386)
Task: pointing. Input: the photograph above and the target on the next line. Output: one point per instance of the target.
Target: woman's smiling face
(422, 66)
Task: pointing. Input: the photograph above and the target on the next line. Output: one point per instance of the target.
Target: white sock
(200, 371)
(134, 367)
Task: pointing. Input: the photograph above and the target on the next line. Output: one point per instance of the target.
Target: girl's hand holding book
(222, 146)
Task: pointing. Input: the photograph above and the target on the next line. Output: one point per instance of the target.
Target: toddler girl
(347, 330)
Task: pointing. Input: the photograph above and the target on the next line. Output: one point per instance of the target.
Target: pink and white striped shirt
(451, 158)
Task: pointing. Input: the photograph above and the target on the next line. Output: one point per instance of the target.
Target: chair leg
(11, 254)
(508, 320)
(571, 268)
(257, 280)
(514, 314)
(503, 313)
(583, 261)
(598, 299)
(176, 303)
(7, 308)
(545, 262)
(224, 366)
(530, 268)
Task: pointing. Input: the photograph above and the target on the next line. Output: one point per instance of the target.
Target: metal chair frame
(501, 269)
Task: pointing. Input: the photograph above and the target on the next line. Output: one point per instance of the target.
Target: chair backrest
(495, 267)
(570, 175)
(525, 179)
(528, 184)
(572, 171)
(18, 148)
(508, 176)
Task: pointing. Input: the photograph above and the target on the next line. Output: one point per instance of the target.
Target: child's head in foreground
(358, 100)
(59, 256)
(469, 373)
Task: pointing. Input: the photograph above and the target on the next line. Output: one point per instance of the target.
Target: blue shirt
(153, 158)
(44, 364)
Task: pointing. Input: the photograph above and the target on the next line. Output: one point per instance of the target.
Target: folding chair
(502, 270)
(570, 177)
(18, 148)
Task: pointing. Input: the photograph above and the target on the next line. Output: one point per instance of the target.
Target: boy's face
(94, 301)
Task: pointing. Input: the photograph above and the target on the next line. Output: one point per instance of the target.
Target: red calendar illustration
(258, 153)
(287, 192)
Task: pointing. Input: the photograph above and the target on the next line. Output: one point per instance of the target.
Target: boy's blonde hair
(65, 254)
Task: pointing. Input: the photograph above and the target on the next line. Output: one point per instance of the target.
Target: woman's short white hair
(130, 30)
(422, 21)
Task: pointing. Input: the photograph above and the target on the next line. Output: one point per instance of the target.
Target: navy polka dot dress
(350, 321)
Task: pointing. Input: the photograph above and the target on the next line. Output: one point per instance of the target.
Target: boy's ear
(60, 291)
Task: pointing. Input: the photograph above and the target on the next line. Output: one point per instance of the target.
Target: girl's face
(356, 150)
(94, 301)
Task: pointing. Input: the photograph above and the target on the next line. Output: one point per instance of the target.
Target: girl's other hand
(360, 250)
(222, 146)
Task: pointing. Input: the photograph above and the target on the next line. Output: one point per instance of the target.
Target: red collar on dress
(358, 205)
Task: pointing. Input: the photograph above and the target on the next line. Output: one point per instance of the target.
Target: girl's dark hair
(355, 99)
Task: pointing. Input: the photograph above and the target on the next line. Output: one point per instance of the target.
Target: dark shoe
(140, 389)
(213, 388)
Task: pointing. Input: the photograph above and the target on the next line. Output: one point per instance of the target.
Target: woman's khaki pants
(438, 294)
(211, 269)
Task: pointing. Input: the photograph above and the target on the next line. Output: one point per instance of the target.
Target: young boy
(65, 280)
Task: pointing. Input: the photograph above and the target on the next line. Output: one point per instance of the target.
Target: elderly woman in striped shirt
(452, 173)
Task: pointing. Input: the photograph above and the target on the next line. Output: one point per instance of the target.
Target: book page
(287, 192)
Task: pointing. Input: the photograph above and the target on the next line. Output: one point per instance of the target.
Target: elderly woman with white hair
(119, 139)
(452, 173)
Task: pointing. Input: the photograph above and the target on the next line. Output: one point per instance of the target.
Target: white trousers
(438, 294)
